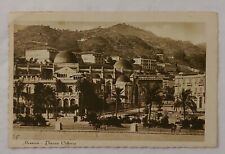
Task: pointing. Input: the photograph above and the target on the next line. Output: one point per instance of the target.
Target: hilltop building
(145, 63)
(116, 58)
(41, 55)
(93, 58)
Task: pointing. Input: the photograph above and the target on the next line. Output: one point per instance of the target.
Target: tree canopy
(89, 99)
(44, 98)
(186, 101)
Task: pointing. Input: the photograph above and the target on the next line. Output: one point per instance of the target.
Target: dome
(65, 57)
(123, 64)
(122, 78)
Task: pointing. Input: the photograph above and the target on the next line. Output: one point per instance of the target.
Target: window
(200, 102)
(200, 90)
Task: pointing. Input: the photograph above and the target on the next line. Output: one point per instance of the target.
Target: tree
(110, 61)
(89, 99)
(118, 95)
(39, 92)
(60, 86)
(185, 101)
(44, 99)
(136, 95)
(28, 98)
(169, 93)
(19, 87)
(158, 100)
(50, 101)
(151, 93)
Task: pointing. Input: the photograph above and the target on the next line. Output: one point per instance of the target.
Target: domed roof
(65, 57)
(122, 78)
(123, 64)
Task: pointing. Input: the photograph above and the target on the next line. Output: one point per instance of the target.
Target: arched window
(66, 102)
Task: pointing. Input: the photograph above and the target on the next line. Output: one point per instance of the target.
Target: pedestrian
(74, 119)
(173, 129)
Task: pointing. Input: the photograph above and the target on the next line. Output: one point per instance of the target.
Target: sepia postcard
(113, 79)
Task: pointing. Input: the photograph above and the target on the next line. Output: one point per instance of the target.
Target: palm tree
(44, 99)
(118, 95)
(38, 99)
(49, 99)
(151, 94)
(185, 101)
(89, 99)
(169, 93)
(19, 87)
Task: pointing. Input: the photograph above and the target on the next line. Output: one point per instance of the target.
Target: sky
(189, 31)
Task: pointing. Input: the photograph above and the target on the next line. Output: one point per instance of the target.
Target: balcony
(67, 94)
(37, 79)
(189, 84)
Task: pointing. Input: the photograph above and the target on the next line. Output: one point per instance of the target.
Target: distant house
(145, 63)
(116, 58)
(160, 56)
(41, 55)
(167, 67)
(92, 57)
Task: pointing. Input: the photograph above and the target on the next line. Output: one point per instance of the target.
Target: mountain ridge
(120, 39)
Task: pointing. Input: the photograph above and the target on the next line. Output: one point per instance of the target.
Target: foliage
(44, 98)
(19, 107)
(89, 99)
(169, 93)
(60, 86)
(112, 121)
(151, 92)
(29, 120)
(19, 86)
(129, 120)
(164, 122)
(151, 123)
(110, 61)
(118, 95)
(193, 123)
(91, 117)
(185, 101)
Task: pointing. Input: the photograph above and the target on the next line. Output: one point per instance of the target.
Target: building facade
(145, 63)
(92, 58)
(41, 55)
(195, 83)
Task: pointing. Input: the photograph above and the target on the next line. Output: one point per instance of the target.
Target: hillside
(120, 39)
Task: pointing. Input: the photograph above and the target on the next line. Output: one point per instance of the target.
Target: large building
(68, 69)
(195, 83)
(64, 68)
(92, 58)
(41, 55)
(145, 63)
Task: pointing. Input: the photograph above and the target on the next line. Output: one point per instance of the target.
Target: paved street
(100, 135)
(109, 134)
